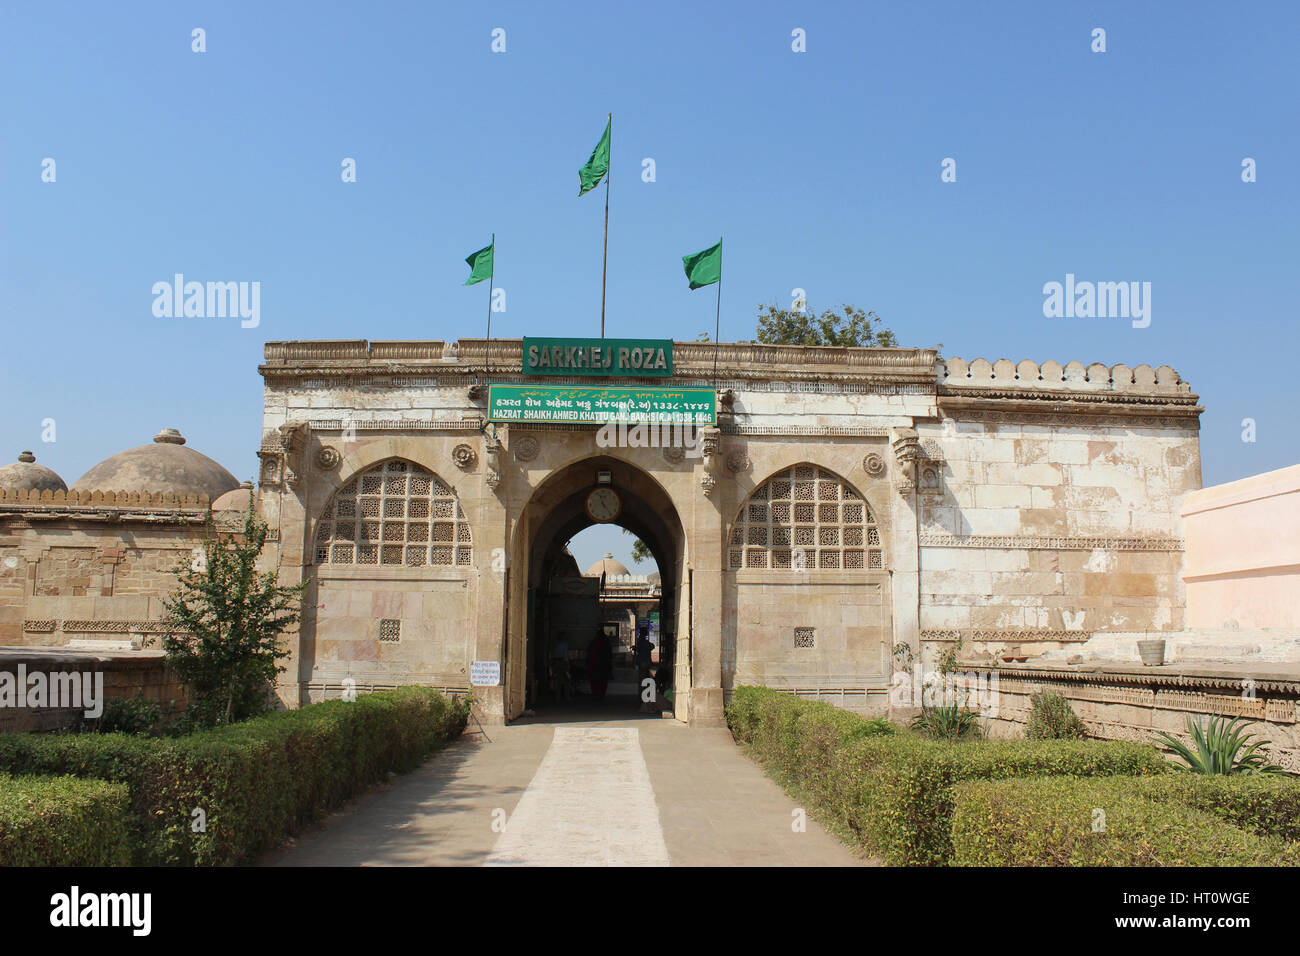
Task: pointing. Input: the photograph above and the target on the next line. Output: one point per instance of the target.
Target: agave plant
(950, 721)
(1222, 746)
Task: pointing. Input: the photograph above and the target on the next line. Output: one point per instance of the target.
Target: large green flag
(480, 263)
(704, 268)
(590, 175)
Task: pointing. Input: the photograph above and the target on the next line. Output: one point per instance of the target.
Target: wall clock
(604, 505)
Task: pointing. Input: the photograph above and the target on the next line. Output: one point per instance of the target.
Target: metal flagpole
(717, 318)
(491, 278)
(604, 266)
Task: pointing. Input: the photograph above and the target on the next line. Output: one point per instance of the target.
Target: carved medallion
(737, 462)
(874, 465)
(464, 457)
(327, 459)
(526, 447)
(674, 455)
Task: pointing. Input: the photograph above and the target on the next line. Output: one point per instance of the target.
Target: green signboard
(596, 405)
(634, 358)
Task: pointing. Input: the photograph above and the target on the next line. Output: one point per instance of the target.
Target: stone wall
(1243, 553)
(1122, 702)
(1048, 507)
(82, 569)
(126, 674)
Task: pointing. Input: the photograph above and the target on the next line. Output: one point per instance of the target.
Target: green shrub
(948, 722)
(256, 781)
(1100, 822)
(1221, 746)
(892, 793)
(136, 715)
(63, 821)
(1052, 718)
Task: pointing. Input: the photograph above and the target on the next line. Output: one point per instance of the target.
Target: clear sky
(820, 168)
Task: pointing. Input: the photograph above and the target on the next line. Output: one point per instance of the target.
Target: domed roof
(164, 466)
(607, 566)
(26, 475)
(655, 579)
(236, 500)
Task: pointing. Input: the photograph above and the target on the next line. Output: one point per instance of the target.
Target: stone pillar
(905, 553)
(490, 641)
(706, 550)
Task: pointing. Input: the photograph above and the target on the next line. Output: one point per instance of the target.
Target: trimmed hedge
(257, 781)
(1049, 822)
(1264, 804)
(892, 793)
(63, 821)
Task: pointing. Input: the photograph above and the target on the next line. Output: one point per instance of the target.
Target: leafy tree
(640, 550)
(849, 326)
(226, 619)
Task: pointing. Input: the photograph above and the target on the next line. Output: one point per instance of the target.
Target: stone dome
(26, 475)
(165, 466)
(607, 566)
(236, 500)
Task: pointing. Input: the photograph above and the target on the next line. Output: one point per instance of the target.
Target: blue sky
(821, 169)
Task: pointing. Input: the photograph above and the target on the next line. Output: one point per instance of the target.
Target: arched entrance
(555, 512)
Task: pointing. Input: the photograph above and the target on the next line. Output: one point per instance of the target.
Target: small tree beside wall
(225, 622)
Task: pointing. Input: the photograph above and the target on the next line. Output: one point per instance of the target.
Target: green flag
(590, 175)
(704, 268)
(480, 263)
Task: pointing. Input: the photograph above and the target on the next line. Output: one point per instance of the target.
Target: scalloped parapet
(103, 499)
(1074, 376)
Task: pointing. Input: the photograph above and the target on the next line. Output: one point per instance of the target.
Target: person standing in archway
(600, 663)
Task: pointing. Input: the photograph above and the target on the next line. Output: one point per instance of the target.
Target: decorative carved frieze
(932, 539)
(39, 627)
(1007, 635)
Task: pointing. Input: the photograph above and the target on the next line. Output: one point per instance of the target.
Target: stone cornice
(472, 358)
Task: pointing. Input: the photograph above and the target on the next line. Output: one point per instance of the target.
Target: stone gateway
(843, 515)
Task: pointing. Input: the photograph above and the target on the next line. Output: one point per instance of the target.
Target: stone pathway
(582, 788)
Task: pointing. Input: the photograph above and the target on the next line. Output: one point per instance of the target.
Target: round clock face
(603, 504)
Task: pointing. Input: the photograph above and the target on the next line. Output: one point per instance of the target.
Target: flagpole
(717, 318)
(604, 266)
(491, 278)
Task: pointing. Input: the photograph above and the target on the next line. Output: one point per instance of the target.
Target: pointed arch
(396, 513)
(805, 517)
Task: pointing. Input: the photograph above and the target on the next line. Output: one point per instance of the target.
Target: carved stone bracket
(494, 457)
(294, 438)
(710, 440)
(907, 452)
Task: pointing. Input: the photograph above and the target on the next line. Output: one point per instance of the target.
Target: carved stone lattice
(395, 514)
(805, 518)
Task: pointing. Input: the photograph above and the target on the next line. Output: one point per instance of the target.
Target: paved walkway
(582, 787)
